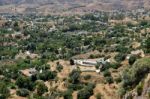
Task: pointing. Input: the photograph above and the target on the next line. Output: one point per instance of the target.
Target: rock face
(114, 4)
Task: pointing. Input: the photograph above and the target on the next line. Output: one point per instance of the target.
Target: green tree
(74, 76)
(147, 45)
(68, 94)
(41, 88)
(24, 82)
(4, 91)
(106, 73)
(23, 92)
(47, 75)
(132, 59)
(59, 67)
(98, 96)
(120, 57)
(86, 92)
(109, 80)
(139, 89)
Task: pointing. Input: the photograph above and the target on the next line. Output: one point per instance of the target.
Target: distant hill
(72, 5)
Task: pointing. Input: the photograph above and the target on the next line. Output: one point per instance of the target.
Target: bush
(139, 89)
(68, 94)
(59, 67)
(25, 82)
(36, 96)
(149, 93)
(98, 96)
(87, 77)
(132, 59)
(92, 56)
(23, 92)
(71, 62)
(74, 76)
(12, 86)
(41, 88)
(147, 45)
(120, 57)
(130, 96)
(121, 92)
(86, 92)
(83, 94)
(116, 65)
(75, 86)
(47, 75)
(4, 91)
(118, 79)
(109, 80)
(106, 73)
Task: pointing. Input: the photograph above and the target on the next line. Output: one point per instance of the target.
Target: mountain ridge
(72, 5)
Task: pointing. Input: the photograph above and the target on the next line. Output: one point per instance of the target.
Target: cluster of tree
(86, 92)
(132, 76)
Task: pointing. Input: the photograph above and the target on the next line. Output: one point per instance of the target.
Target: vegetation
(98, 96)
(86, 92)
(132, 76)
(35, 51)
(74, 76)
(4, 91)
(41, 88)
(23, 92)
(132, 59)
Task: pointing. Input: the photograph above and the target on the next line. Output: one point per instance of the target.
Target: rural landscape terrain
(74, 49)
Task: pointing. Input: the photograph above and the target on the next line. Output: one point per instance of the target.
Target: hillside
(98, 55)
(54, 6)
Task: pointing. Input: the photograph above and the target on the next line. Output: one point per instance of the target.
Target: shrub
(132, 59)
(118, 79)
(130, 96)
(59, 67)
(74, 76)
(147, 45)
(98, 96)
(120, 57)
(87, 77)
(75, 86)
(71, 62)
(68, 94)
(47, 75)
(139, 89)
(41, 88)
(83, 94)
(12, 86)
(25, 82)
(109, 80)
(4, 91)
(149, 93)
(92, 56)
(86, 92)
(23, 92)
(106, 73)
(116, 65)
(121, 92)
(97, 66)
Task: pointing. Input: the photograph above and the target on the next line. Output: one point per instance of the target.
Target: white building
(90, 62)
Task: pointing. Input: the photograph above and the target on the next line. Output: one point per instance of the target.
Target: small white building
(85, 62)
(90, 62)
